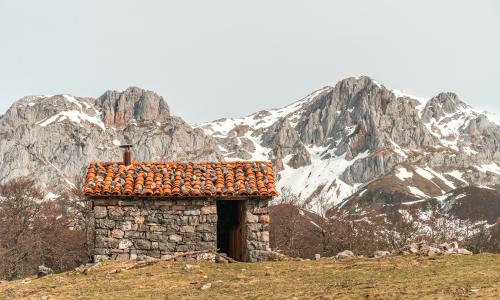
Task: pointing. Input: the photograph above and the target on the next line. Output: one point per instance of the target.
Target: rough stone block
(102, 251)
(208, 210)
(185, 248)
(254, 226)
(117, 233)
(152, 236)
(100, 212)
(99, 258)
(200, 246)
(208, 236)
(132, 234)
(264, 236)
(133, 213)
(115, 212)
(142, 244)
(154, 253)
(175, 238)
(166, 247)
(105, 242)
(258, 255)
(254, 245)
(187, 229)
(205, 228)
(117, 250)
(142, 227)
(251, 218)
(211, 218)
(105, 224)
(264, 219)
(125, 244)
(151, 219)
(103, 232)
(192, 212)
(261, 210)
(125, 225)
(183, 220)
(156, 227)
(194, 220)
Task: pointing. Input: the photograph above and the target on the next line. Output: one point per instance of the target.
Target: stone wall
(153, 228)
(131, 229)
(257, 230)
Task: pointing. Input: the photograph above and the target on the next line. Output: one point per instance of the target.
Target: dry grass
(398, 277)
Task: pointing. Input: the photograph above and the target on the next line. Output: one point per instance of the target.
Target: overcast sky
(211, 59)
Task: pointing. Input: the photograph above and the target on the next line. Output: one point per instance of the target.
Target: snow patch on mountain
(400, 94)
(73, 116)
(417, 192)
(76, 115)
(493, 168)
(403, 174)
(260, 120)
(447, 128)
(321, 177)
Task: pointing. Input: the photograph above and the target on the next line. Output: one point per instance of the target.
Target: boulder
(413, 248)
(427, 250)
(344, 254)
(44, 271)
(463, 251)
(445, 246)
(379, 254)
(189, 267)
(449, 247)
(206, 286)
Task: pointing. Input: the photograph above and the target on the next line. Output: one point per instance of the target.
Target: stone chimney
(127, 154)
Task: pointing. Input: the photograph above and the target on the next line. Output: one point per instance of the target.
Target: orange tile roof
(180, 179)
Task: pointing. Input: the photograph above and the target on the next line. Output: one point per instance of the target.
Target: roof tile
(189, 179)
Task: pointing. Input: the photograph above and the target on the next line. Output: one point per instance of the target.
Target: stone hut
(158, 209)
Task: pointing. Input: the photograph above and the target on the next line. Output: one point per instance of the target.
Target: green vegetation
(408, 277)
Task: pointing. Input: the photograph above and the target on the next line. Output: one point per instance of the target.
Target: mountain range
(356, 144)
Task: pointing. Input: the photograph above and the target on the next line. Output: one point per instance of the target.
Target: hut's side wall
(132, 229)
(257, 230)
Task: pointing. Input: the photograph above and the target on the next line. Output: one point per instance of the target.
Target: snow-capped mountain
(346, 139)
(354, 143)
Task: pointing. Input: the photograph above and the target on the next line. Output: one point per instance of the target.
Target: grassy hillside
(409, 277)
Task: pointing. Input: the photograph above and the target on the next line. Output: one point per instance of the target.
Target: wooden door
(237, 236)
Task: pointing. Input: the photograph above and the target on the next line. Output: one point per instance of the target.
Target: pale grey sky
(211, 59)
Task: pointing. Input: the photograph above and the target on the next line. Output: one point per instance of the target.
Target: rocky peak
(361, 114)
(34, 109)
(442, 105)
(134, 103)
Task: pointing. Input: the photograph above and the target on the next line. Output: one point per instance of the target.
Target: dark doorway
(230, 228)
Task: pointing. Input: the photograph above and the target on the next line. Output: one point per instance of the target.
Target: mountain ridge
(337, 142)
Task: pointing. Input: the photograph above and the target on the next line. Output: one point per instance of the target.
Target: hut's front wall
(130, 229)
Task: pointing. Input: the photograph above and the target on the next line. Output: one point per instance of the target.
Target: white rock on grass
(379, 254)
(344, 254)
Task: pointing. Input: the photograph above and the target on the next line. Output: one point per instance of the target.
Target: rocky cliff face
(351, 142)
(118, 108)
(345, 140)
(53, 137)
